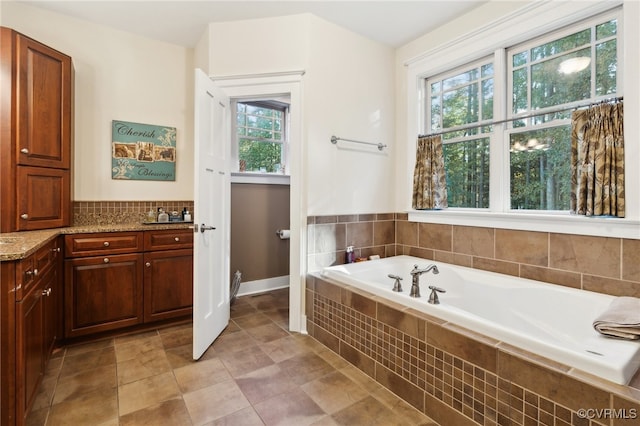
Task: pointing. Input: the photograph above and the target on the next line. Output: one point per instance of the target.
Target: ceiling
(182, 22)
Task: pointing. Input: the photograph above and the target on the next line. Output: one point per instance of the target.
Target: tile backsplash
(600, 264)
(121, 212)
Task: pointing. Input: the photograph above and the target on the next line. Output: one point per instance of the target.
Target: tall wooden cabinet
(30, 318)
(36, 98)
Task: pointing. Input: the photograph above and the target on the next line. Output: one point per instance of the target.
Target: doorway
(276, 86)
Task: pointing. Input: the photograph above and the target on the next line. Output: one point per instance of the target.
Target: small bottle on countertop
(151, 216)
(186, 215)
(349, 255)
(162, 215)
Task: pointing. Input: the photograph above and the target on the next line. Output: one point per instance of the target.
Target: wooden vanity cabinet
(36, 99)
(30, 327)
(103, 282)
(168, 274)
(121, 279)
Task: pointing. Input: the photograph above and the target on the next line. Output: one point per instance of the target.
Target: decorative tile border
(120, 212)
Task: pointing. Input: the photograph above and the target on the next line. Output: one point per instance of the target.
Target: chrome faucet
(415, 278)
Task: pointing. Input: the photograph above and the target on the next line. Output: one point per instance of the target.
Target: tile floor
(255, 373)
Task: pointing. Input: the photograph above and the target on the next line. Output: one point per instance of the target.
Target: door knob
(204, 227)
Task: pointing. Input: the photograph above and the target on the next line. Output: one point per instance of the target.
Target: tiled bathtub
(458, 377)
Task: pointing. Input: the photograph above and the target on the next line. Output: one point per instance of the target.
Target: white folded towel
(621, 319)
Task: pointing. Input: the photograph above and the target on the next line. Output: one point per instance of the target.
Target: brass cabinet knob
(148, 264)
(106, 243)
(177, 239)
(24, 151)
(46, 292)
(105, 260)
(24, 216)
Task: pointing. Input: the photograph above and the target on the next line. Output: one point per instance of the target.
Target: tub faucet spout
(415, 278)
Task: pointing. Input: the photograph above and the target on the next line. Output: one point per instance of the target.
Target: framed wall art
(142, 151)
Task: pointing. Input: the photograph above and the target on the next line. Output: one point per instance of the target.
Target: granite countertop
(19, 245)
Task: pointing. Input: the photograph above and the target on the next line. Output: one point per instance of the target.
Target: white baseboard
(262, 286)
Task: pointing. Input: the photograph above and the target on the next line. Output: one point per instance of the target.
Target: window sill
(562, 223)
(260, 178)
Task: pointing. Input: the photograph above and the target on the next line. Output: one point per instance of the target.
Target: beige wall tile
(481, 354)
(631, 260)
(360, 234)
(498, 266)
(348, 218)
(435, 236)
(403, 321)
(610, 286)
(522, 246)
(553, 276)
(357, 358)
(407, 233)
(330, 238)
(586, 254)
(384, 232)
(401, 387)
(554, 385)
(328, 290)
(360, 303)
(474, 241)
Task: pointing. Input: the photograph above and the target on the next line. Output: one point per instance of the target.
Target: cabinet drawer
(170, 239)
(30, 269)
(103, 243)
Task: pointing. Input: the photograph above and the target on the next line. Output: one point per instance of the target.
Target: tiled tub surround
(329, 236)
(549, 320)
(483, 379)
(121, 212)
(455, 376)
(600, 264)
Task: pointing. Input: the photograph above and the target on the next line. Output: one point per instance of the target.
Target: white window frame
(478, 63)
(257, 177)
(519, 27)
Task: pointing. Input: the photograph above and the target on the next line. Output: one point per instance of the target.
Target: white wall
(118, 76)
(347, 91)
(455, 29)
(259, 46)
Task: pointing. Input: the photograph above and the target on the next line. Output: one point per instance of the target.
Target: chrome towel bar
(335, 139)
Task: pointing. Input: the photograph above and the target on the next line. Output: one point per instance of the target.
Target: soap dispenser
(349, 255)
(151, 216)
(186, 215)
(162, 215)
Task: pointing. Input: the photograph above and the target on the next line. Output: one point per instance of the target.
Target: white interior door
(211, 242)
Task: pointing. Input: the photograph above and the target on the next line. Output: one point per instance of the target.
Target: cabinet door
(43, 198)
(30, 351)
(102, 293)
(50, 297)
(168, 284)
(43, 92)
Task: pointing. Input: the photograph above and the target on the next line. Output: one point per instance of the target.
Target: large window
(553, 75)
(261, 135)
(464, 100)
(530, 134)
